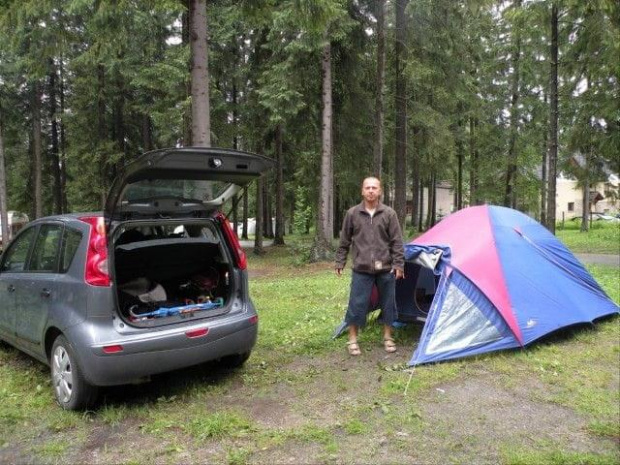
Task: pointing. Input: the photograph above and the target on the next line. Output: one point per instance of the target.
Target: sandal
(353, 348)
(389, 345)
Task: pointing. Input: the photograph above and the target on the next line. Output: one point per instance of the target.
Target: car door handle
(10, 288)
(46, 293)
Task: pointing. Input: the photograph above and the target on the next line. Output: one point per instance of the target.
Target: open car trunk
(166, 272)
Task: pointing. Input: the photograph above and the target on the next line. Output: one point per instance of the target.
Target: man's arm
(344, 245)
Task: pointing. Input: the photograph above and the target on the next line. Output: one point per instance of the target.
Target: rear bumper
(162, 351)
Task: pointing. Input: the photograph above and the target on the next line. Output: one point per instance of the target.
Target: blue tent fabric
(412, 251)
(533, 285)
(549, 288)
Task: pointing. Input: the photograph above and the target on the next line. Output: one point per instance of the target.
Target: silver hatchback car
(155, 283)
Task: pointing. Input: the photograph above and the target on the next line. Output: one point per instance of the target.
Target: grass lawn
(602, 237)
(301, 399)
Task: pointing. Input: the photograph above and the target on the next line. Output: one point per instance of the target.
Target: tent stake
(408, 382)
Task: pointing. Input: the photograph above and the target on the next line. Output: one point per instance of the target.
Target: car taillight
(241, 259)
(113, 349)
(197, 333)
(96, 273)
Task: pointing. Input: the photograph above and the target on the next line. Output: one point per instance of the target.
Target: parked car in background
(17, 221)
(596, 216)
(154, 283)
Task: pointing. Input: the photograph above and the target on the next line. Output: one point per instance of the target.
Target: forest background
(494, 97)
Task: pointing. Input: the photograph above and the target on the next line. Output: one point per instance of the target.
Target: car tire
(71, 390)
(235, 361)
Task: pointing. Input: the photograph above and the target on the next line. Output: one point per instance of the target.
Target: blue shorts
(359, 298)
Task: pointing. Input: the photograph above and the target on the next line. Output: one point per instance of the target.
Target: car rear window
(71, 242)
(200, 190)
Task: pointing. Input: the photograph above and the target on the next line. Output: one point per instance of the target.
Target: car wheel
(235, 361)
(71, 390)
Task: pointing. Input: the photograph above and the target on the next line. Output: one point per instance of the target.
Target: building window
(571, 206)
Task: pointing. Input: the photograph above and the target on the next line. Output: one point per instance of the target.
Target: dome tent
(490, 278)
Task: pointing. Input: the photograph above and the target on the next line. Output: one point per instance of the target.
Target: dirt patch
(273, 411)
(477, 414)
(101, 439)
(465, 421)
(105, 436)
(294, 453)
(15, 453)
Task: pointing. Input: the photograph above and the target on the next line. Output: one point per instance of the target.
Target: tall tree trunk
(260, 201)
(322, 244)
(258, 233)
(460, 156)
(258, 53)
(432, 201)
(37, 150)
(235, 213)
(101, 132)
(380, 87)
(400, 104)
(585, 212)
(244, 221)
(54, 155)
(235, 122)
(338, 213)
(510, 198)
(147, 133)
(553, 120)
(267, 209)
(119, 125)
(473, 163)
(386, 188)
(279, 235)
(201, 121)
(587, 215)
(543, 175)
(415, 178)
(421, 217)
(4, 209)
(185, 39)
(63, 140)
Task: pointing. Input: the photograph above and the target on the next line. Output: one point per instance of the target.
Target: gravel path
(599, 259)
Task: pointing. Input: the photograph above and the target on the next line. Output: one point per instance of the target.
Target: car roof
(66, 216)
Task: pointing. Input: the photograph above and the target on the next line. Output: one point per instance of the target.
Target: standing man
(373, 232)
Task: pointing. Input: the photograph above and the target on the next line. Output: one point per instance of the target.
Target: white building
(17, 221)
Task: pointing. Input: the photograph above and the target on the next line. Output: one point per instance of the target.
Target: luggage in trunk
(162, 278)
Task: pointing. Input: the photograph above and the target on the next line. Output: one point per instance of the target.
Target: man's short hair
(371, 177)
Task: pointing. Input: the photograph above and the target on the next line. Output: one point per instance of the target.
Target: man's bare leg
(352, 345)
(388, 341)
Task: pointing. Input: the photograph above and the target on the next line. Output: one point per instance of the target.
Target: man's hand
(339, 271)
(400, 274)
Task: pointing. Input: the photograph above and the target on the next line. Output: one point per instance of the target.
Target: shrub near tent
(490, 278)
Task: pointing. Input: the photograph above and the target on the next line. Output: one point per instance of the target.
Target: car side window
(46, 248)
(14, 259)
(70, 243)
